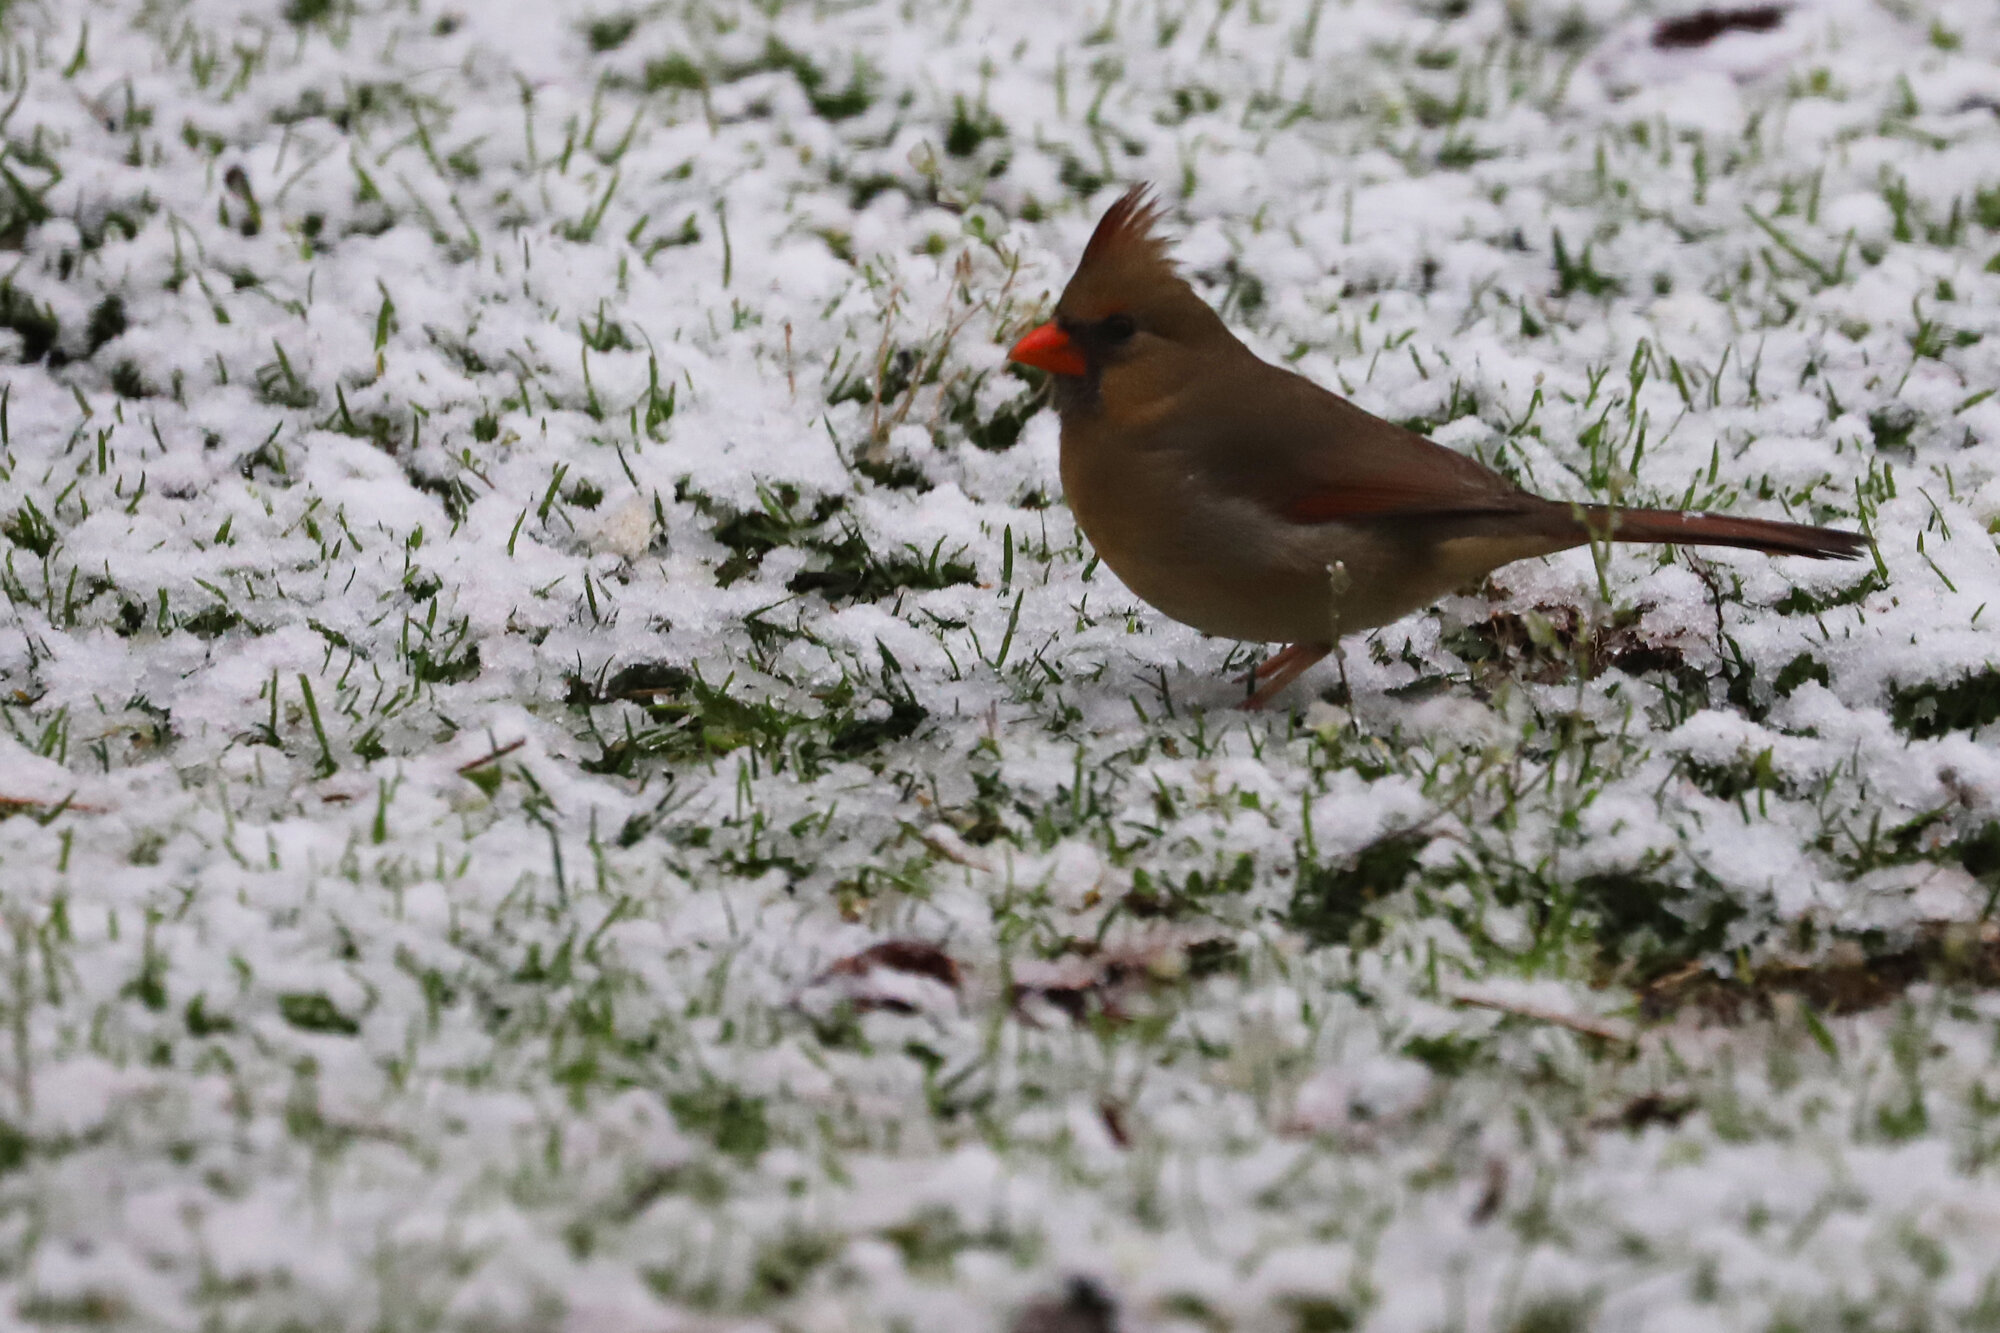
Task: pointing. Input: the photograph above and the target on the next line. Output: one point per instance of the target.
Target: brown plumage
(1248, 502)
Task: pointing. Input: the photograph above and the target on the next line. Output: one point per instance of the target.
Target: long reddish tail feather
(1756, 534)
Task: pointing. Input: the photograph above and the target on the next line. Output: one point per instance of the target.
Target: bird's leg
(1294, 660)
(1277, 661)
(1285, 667)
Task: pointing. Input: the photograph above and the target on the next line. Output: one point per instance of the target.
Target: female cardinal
(1248, 502)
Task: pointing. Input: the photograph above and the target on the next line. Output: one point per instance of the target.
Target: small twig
(1339, 582)
(946, 843)
(875, 431)
(53, 808)
(1616, 1033)
(488, 758)
(932, 366)
(1714, 585)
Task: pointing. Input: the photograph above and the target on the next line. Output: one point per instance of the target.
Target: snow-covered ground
(563, 765)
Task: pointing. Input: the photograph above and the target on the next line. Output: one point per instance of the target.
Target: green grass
(517, 590)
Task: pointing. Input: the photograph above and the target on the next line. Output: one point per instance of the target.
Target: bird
(1244, 500)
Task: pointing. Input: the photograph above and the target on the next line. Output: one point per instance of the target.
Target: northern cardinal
(1246, 501)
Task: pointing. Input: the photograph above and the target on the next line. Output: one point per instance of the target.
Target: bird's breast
(1204, 558)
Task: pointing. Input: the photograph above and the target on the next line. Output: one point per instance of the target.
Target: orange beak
(1049, 348)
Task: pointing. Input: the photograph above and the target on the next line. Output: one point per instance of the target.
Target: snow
(524, 553)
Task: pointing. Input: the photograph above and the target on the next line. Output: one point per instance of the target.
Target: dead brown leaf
(1705, 25)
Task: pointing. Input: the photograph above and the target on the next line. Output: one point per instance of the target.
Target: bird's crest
(1126, 235)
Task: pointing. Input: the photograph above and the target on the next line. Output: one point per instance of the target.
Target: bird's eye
(1119, 327)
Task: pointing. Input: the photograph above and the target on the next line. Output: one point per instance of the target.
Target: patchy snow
(564, 765)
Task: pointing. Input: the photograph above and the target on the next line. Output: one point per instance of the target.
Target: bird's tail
(1692, 529)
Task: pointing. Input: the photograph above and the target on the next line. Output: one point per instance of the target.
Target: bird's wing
(1310, 456)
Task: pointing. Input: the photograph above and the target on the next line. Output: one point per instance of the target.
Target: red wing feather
(1368, 500)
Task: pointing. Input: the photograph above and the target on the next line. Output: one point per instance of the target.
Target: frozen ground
(521, 555)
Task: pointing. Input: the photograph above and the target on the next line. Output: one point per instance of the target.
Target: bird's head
(1126, 316)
